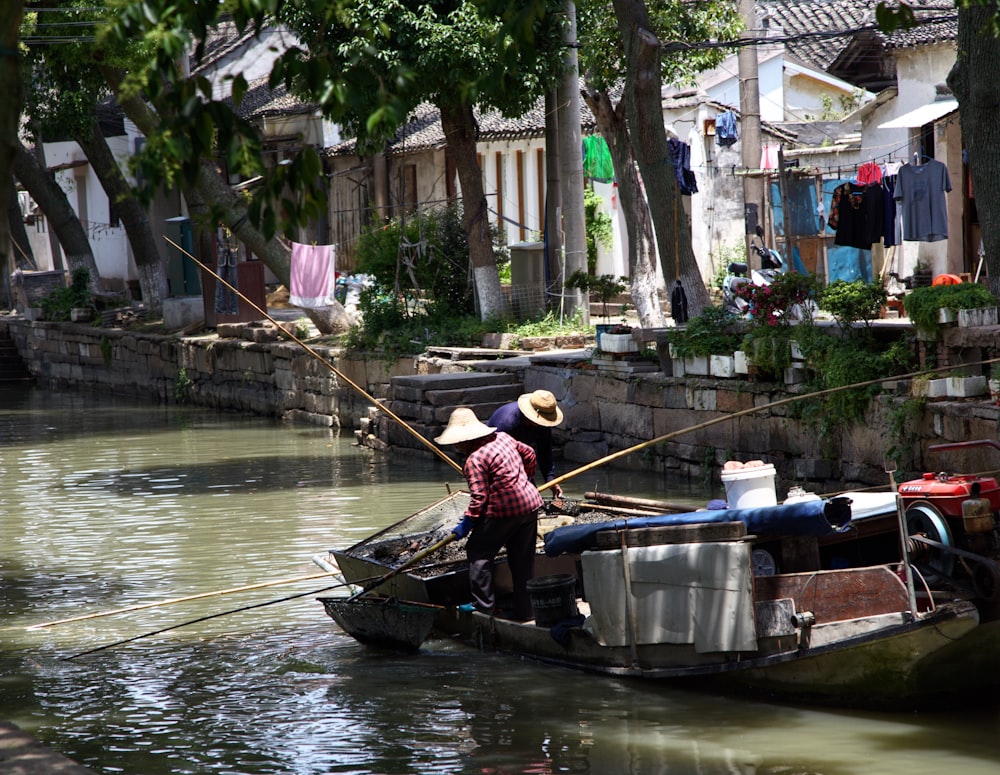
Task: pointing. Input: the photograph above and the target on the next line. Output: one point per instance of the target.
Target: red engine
(947, 491)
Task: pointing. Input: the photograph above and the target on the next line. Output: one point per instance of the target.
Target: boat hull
(886, 665)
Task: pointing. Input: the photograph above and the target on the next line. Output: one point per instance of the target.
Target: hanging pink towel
(312, 275)
(769, 157)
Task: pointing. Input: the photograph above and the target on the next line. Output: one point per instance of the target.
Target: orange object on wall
(946, 279)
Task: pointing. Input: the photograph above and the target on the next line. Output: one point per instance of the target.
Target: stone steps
(425, 402)
(12, 368)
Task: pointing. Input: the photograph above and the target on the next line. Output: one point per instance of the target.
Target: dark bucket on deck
(553, 598)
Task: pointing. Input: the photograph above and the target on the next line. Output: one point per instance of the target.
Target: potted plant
(923, 305)
(715, 332)
(922, 274)
(605, 287)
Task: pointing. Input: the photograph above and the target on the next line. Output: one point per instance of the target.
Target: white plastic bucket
(750, 488)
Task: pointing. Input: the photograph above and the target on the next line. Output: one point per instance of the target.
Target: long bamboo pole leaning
(406, 426)
(209, 616)
(175, 600)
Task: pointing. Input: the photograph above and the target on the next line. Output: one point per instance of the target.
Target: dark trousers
(518, 535)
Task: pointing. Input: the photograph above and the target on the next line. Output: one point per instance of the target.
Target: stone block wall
(604, 412)
(269, 378)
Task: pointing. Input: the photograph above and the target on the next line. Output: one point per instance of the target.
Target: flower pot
(80, 314)
(973, 318)
(946, 316)
(741, 364)
(930, 388)
(696, 365)
(722, 366)
(965, 387)
(34, 313)
(618, 343)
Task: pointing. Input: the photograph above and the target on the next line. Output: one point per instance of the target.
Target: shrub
(790, 295)
(58, 303)
(850, 302)
(424, 256)
(714, 332)
(922, 304)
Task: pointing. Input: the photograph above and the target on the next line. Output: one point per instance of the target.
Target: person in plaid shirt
(502, 511)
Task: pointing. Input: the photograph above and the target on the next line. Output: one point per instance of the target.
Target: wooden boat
(684, 598)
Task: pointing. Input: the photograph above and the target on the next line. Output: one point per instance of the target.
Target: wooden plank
(837, 594)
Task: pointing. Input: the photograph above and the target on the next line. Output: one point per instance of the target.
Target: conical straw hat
(463, 425)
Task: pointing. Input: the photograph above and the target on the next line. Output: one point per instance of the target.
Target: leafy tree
(454, 54)
(66, 87)
(604, 56)
(364, 65)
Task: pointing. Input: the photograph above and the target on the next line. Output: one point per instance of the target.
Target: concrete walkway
(21, 754)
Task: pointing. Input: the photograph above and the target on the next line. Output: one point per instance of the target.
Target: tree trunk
(152, 279)
(460, 132)
(641, 248)
(574, 213)
(21, 251)
(210, 191)
(649, 141)
(978, 95)
(11, 12)
(61, 216)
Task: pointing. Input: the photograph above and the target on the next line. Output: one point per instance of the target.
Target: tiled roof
(820, 30)
(423, 130)
(219, 41)
(260, 101)
(814, 17)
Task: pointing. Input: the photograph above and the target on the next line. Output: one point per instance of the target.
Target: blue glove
(463, 528)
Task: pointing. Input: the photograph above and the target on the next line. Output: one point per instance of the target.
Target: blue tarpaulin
(807, 518)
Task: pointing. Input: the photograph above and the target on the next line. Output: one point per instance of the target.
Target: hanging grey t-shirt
(920, 191)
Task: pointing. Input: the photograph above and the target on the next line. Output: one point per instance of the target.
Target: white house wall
(87, 198)
(530, 227)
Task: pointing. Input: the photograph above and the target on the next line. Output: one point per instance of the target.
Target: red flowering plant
(788, 297)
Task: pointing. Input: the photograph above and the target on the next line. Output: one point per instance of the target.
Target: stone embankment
(606, 411)
(21, 754)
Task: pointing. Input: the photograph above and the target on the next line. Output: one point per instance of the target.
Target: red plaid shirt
(500, 474)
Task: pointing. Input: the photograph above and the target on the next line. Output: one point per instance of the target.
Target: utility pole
(750, 136)
(571, 169)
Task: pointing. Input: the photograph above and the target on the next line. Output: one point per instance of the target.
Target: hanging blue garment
(680, 152)
(726, 132)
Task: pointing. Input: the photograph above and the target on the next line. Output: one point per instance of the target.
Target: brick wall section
(604, 413)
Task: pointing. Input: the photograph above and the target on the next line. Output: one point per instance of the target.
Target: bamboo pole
(175, 600)
(609, 499)
(206, 618)
(434, 448)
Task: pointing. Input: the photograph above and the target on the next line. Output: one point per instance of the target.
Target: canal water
(108, 504)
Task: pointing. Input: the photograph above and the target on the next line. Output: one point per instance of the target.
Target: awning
(927, 114)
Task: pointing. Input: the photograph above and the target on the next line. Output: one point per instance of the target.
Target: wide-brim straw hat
(541, 408)
(463, 425)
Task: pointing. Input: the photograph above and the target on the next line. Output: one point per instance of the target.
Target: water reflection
(101, 511)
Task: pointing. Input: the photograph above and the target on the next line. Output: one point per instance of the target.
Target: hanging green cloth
(597, 159)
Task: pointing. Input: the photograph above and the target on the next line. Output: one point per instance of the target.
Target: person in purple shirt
(531, 419)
